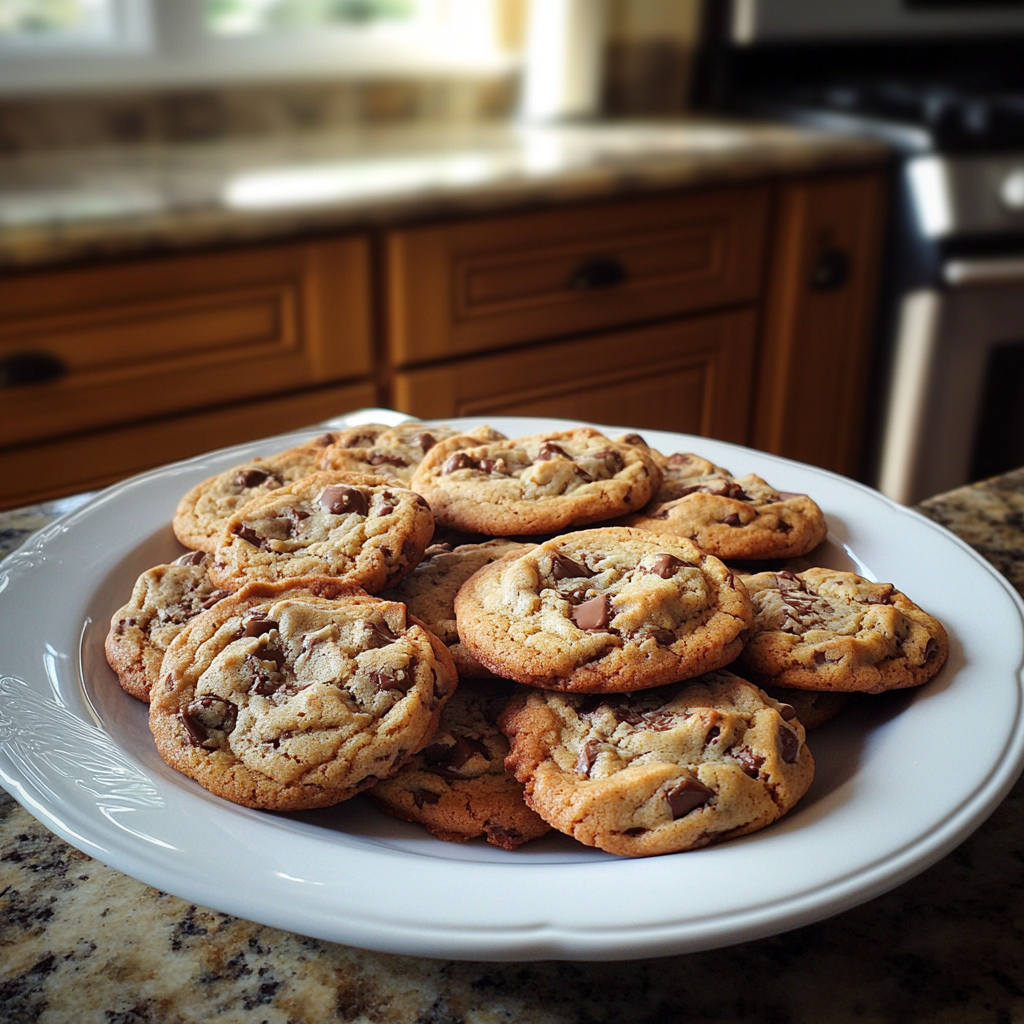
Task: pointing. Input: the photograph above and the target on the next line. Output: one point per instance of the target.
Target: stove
(942, 81)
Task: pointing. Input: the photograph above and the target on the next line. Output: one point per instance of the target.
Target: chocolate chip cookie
(358, 529)
(604, 610)
(534, 485)
(457, 786)
(284, 697)
(203, 512)
(737, 518)
(658, 771)
(163, 600)
(429, 592)
(827, 630)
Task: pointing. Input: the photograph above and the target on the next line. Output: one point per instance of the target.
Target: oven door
(955, 409)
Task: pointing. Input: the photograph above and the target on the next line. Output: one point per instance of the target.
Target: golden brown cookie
(738, 518)
(288, 697)
(604, 610)
(658, 771)
(357, 529)
(534, 485)
(429, 592)
(822, 629)
(457, 786)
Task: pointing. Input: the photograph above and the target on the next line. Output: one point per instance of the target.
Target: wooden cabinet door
(475, 286)
(819, 320)
(147, 338)
(692, 376)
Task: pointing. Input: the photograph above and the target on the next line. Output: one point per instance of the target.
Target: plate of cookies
(508, 689)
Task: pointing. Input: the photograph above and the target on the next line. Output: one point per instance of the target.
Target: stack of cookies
(495, 637)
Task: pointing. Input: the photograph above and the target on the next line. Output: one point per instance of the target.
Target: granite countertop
(82, 942)
(117, 201)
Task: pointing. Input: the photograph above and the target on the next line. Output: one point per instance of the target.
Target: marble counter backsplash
(81, 942)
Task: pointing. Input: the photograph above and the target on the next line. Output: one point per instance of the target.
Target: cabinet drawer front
(145, 339)
(464, 288)
(50, 469)
(691, 376)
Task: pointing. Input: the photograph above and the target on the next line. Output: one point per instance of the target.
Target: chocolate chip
(787, 711)
(687, 795)
(206, 714)
(819, 657)
(588, 755)
(248, 534)
(564, 568)
(680, 459)
(931, 649)
(749, 761)
(460, 460)
(732, 520)
(488, 466)
(594, 614)
(385, 510)
(712, 734)
(789, 745)
(613, 460)
(665, 637)
(250, 477)
(380, 634)
(785, 574)
(549, 450)
(381, 459)
(191, 558)
(324, 440)
(393, 678)
(583, 474)
(338, 499)
(444, 759)
(635, 439)
(213, 597)
(464, 750)
(424, 796)
(257, 627)
(782, 527)
(665, 566)
(425, 441)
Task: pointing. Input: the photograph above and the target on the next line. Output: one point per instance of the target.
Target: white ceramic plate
(900, 781)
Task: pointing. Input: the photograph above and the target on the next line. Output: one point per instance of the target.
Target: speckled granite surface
(81, 942)
(115, 201)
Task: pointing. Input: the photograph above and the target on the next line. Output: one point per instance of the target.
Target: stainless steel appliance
(943, 82)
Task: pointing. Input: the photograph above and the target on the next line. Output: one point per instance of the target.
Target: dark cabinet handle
(600, 272)
(830, 270)
(29, 368)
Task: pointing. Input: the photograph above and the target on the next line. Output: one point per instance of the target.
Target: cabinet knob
(30, 368)
(600, 272)
(830, 270)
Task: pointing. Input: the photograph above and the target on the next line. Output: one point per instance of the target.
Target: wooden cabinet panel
(693, 376)
(469, 287)
(819, 319)
(40, 471)
(138, 340)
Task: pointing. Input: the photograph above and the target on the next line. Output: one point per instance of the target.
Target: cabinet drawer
(147, 338)
(469, 287)
(693, 376)
(35, 472)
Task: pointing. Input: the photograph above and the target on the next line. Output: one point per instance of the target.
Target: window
(60, 44)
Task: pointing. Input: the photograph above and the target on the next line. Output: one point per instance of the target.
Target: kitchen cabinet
(740, 312)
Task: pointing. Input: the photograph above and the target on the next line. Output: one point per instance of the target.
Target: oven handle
(969, 273)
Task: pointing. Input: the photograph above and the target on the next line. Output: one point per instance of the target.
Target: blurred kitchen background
(794, 225)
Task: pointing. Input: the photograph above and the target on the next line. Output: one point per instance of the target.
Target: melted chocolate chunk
(393, 678)
(205, 714)
(460, 460)
(687, 795)
(549, 450)
(665, 566)
(259, 626)
(215, 596)
(588, 755)
(583, 474)
(594, 614)
(192, 558)
(635, 439)
(563, 568)
(250, 477)
(445, 759)
(425, 441)
(296, 517)
(424, 796)
(712, 735)
(248, 534)
(339, 499)
(386, 510)
(732, 520)
(789, 745)
(324, 440)
(749, 761)
(379, 633)
(488, 466)
(612, 459)
(680, 459)
(787, 711)
(380, 459)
